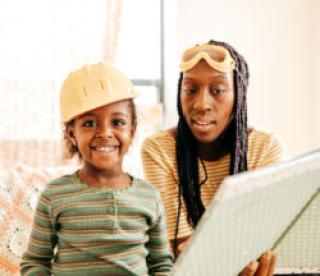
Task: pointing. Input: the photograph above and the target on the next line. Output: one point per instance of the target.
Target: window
(140, 50)
(42, 41)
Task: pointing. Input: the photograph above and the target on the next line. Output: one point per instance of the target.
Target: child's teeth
(106, 149)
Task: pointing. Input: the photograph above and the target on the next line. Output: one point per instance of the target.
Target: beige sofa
(19, 191)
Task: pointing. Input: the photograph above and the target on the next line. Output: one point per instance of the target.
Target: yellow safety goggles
(216, 56)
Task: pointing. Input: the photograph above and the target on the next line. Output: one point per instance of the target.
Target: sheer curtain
(41, 41)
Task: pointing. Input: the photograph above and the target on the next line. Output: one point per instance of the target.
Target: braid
(188, 167)
(187, 157)
(239, 125)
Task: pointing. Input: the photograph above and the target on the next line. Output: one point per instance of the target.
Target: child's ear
(133, 129)
(71, 134)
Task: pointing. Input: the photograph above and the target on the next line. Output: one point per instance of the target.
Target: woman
(212, 139)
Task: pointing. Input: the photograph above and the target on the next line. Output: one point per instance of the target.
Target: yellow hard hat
(93, 86)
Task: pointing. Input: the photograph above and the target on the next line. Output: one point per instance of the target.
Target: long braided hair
(187, 156)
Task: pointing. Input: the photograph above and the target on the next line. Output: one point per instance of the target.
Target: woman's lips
(203, 125)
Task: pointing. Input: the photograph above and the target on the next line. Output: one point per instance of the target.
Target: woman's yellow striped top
(160, 168)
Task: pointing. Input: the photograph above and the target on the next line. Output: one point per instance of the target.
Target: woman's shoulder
(160, 148)
(163, 136)
(163, 140)
(257, 136)
(264, 148)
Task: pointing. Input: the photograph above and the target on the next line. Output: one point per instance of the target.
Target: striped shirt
(83, 230)
(160, 168)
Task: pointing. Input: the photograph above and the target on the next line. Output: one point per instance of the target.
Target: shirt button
(109, 196)
(110, 210)
(110, 223)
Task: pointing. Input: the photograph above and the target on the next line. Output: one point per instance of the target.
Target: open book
(276, 208)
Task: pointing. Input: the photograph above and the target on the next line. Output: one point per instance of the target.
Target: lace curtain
(41, 41)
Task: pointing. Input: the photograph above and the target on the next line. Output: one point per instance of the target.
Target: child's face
(103, 135)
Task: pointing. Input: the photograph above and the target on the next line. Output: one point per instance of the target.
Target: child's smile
(105, 150)
(105, 147)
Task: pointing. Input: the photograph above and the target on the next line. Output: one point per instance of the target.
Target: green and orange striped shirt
(83, 230)
(160, 168)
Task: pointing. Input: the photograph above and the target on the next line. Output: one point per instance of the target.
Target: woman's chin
(208, 137)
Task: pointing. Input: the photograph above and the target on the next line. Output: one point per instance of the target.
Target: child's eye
(90, 123)
(118, 122)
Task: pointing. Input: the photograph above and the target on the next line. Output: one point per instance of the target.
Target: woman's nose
(203, 101)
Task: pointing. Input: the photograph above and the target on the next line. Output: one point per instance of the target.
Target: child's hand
(263, 267)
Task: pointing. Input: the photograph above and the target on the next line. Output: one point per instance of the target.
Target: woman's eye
(90, 123)
(218, 91)
(189, 90)
(118, 122)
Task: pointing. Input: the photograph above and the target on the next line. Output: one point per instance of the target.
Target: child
(98, 220)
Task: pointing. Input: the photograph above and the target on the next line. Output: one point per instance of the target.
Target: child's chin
(104, 166)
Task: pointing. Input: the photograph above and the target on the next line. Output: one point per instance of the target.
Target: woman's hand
(263, 267)
(181, 244)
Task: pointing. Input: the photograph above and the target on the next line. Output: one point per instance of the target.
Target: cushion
(19, 191)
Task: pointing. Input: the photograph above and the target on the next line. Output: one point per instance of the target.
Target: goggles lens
(216, 56)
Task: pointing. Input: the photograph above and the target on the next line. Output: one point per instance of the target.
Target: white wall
(280, 40)
(315, 73)
(171, 61)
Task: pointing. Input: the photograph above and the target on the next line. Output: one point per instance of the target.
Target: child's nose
(105, 131)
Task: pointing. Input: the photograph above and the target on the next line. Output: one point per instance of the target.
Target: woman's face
(207, 99)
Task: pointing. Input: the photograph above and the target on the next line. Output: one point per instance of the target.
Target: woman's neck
(216, 149)
(116, 179)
